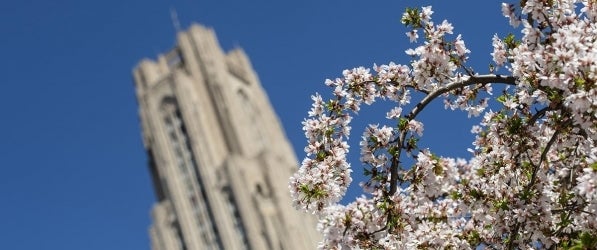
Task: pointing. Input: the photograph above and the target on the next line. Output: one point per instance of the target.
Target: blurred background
(74, 172)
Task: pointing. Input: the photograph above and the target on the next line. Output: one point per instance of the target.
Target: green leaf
(311, 193)
(393, 151)
(474, 238)
(510, 41)
(402, 123)
(411, 143)
(526, 195)
(367, 172)
(481, 172)
(501, 204)
(455, 195)
(321, 155)
(412, 18)
(476, 194)
(501, 98)
(594, 166)
(514, 125)
(579, 82)
(588, 241)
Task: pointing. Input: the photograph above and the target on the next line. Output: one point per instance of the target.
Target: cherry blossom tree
(531, 180)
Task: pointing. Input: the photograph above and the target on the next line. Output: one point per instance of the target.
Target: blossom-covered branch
(531, 180)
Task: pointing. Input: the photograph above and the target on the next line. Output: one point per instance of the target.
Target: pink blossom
(531, 179)
(412, 35)
(394, 113)
(499, 51)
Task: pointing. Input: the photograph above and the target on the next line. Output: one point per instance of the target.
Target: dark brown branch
(482, 79)
(394, 171)
(536, 168)
(538, 115)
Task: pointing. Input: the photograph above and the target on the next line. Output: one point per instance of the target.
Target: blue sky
(74, 170)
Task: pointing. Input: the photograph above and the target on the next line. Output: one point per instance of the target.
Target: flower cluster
(325, 173)
(531, 181)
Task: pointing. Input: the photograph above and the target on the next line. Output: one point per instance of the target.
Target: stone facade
(218, 156)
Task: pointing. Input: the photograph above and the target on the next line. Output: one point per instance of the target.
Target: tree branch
(483, 79)
(490, 78)
(530, 185)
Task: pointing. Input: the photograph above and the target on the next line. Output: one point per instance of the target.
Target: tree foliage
(531, 181)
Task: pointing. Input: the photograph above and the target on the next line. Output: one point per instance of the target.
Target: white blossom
(531, 180)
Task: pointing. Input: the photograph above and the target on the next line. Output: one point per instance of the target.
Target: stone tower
(218, 156)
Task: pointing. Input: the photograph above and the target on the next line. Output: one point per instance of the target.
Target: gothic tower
(218, 156)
